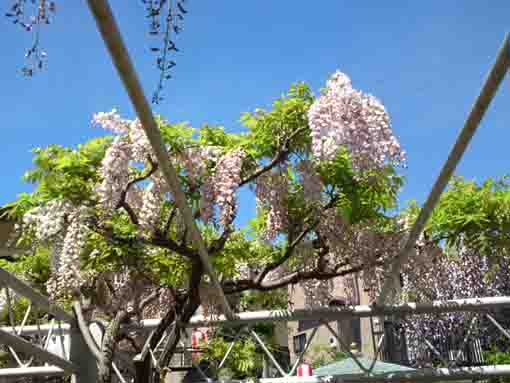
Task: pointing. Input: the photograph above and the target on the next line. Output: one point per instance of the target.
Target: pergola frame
(113, 40)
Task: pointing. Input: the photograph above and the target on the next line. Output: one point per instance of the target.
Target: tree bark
(183, 311)
(110, 340)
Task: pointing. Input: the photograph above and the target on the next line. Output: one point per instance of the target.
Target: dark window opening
(299, 343)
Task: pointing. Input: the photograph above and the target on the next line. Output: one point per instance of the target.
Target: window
(356, 331)
(299, 343)
(304, 325)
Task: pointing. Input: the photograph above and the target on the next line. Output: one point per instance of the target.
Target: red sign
(304, 370)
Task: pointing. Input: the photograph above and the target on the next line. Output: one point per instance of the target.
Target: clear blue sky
(425, 60)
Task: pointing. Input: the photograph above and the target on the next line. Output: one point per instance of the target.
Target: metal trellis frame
(111, 35)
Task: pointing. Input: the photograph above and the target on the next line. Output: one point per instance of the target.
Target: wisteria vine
(165, 17)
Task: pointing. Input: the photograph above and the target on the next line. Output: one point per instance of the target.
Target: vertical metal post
(82, 357)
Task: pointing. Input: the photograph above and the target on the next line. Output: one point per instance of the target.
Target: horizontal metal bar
(432, 375)
(43, 329)
(43, 355)
(9, 280)
(24, 372)
(326, 313)
(361, 311)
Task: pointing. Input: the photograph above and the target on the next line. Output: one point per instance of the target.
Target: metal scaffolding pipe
(21, 288)
(25, 346)
(360, 311)
(25, 372)
(489, 88)
(325, 313)
(425, 375)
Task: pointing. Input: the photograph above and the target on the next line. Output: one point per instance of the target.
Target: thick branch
(237, 286)
(288, 253)
(178, 312)
(110, 339)
(280, 155)
(122, 202)
(290, 249)
(149, 299)
(165, 243)
(300, 276)
(85, 332)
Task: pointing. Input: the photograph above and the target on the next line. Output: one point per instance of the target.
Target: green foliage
(267, 300)
(323, 355)
(360, 197)
(63, 173)
(495, 357)
(268, 129)
(35, 268)
(474, 215)
(244, 360)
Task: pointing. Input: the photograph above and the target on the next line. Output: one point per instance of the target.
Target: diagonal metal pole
(465, 340)
(427, 343)
(377, 352)
(268, 353)
(345, 347)
(489, 88)
(498, 326)
(229, 350)
(111, 35)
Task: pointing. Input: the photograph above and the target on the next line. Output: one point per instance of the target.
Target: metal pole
(498, 326)
(489, 88)
(432, 375)
(326, 313)
(268, 353)
(36, 298)
(24, 372)
(25, 346)
(111, 35)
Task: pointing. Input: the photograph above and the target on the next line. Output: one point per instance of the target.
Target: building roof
(348, 366)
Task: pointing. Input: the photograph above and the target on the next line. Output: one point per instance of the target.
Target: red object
(197, 337)
(304, 370)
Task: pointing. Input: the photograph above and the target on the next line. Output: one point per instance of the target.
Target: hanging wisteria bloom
(271, 192)
(140, 145)
(312, 184)
(111, 121)
(221, 187)
(114, 173)
(152, 199)
(344, 116)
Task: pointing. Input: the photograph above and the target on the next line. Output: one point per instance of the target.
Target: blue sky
(425, 60)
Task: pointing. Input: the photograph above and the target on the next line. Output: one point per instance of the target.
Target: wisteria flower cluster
(461, 275)
(114, 173)
(344, 116)
(311, 180)
(221, 187)
(61, 225)
(271, 193)
(111, 121)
